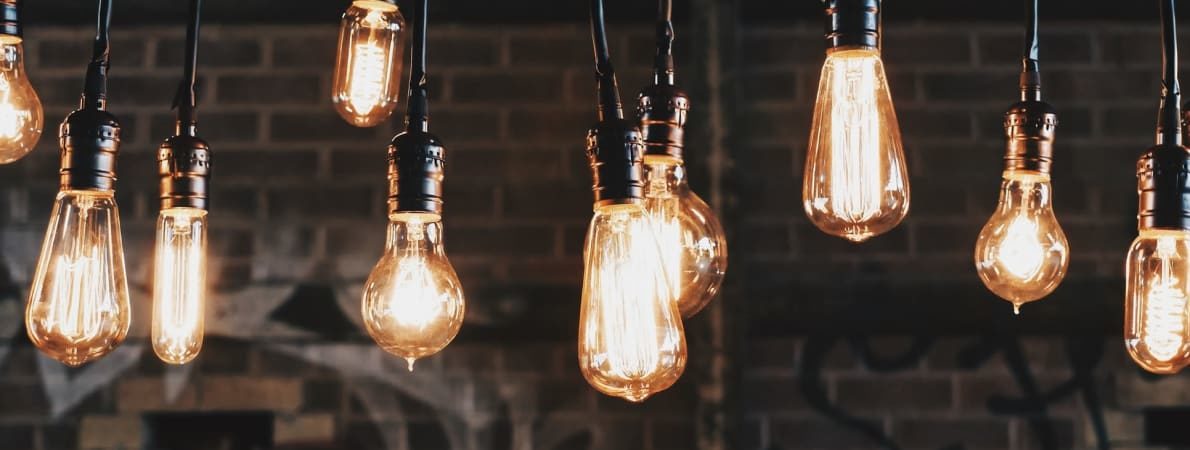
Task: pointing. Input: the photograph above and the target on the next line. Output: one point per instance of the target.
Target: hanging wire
(417, 115)
(663, 64)
(186, 99)
(1030, 67)
(1169, 127)
(605, 75)
(95, 87)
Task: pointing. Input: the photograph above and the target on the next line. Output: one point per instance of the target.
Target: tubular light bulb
(367, 74)
(20, 109)
(78, 306)
(855, 185)
(179, 284)
(631, 343)
(413, 301)
(1155, 328)
(693, 244)
(1022, 254)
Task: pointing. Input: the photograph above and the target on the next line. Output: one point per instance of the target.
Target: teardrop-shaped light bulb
(20, 109)
(1022, 253)
(856, 185)
(367, 74)
(1156, 331)
(413, 301)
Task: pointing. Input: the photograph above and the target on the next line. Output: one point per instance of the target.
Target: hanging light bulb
(179, 274)
(630, 339)
(693, 243)
(1022, 253)
(20, 109)
(368, 71)
(855, 185)
(413, 301)
(1156, 331)
(78, 307)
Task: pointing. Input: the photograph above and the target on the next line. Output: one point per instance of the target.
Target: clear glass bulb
(20, 109)
(693, 244)
(630, 338)
(413, 301)
(855, 184)
(78, 306)
(1155, 316)
(1022, 253)
(179, 284)
(368, 71)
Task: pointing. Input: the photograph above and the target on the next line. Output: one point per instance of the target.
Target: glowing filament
(856, 189)
(1022, 253)
(368, 77)
(76, 311)
(1165, 311)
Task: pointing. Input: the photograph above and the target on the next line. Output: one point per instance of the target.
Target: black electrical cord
(417, 116)
(1030, 67)
(186, 99)
(95, 89)
(1169, 127)
(605, 75)
(663, 64)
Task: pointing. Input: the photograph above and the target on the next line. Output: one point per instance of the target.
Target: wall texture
(816, 343)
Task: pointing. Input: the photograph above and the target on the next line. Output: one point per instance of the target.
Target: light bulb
(20, 109)
(179, 284)
(78, 306)
(692, 242)
(413, 301)
(367, 74)
(1022, 254)
(856, 185)
(1155, 314)
(631, 343)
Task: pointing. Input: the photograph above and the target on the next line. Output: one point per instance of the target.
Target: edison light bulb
(413, 302)
(631, 343)
(367, 74)
(20, 109)
(1022, 254)
(1155, 314)
(855, 184)
(692, 242)
(78, 306)
(179, 284)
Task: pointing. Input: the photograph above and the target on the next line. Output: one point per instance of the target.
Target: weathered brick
(76, 53)
(936, 433)
(213, 51)
(270, 89)
(507, 87)
(895, 394)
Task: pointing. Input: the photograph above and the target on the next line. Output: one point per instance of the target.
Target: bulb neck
(184, 170)
(90, 140)
(663, 109)
(615, 151)
(1163, 185)
(1029, 127)
(852, 23)
(416, 166)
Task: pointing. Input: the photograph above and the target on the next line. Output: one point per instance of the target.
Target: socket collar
(662, 110)
(1029, 126)
(90, 140)
(1163, 187)
(416, 166)
(852, 23)
(615, 150)
(184, 168)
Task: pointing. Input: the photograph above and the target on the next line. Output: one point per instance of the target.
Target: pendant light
(1022, 254)
(78, 307)
(693, 244)
(855, 184)
(180, 261)
(1156, 332)
(413, 301)
(630, 338)
(368, 69)
(20, 109)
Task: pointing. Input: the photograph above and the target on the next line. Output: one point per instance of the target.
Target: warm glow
(367, 74)
(631, 342)
(1022, 254)
(20, 109)
(78, 306)
(179, 284)
(692, 242)
(413, 302)
(856, 185)
(1155, 326)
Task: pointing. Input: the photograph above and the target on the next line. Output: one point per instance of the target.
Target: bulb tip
(1016, 309)
(410, 361)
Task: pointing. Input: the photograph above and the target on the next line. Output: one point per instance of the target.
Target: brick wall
(890, 344)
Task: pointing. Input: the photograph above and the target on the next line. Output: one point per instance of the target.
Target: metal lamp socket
(852, 23)
(416, 166)
(89, 139)
(615, 150)
(184, 168)
(662, 110)
(1163, 186)
(10, 18)
(1029, 126)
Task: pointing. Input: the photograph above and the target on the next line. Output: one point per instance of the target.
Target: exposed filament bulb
(1155, 326)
